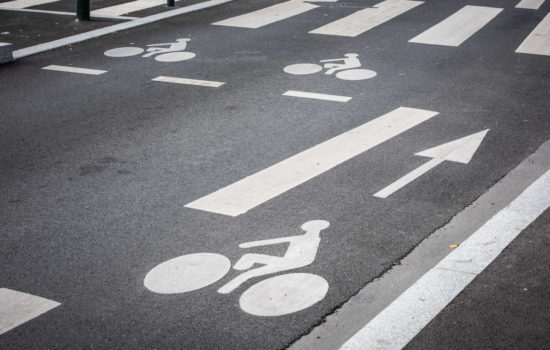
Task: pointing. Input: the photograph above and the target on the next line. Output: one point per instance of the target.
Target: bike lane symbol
(274, 296)
(174, 52)
(347, 69)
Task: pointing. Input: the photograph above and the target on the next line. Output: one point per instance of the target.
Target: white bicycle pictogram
(175, 51)
(348, 69)
(274, 296)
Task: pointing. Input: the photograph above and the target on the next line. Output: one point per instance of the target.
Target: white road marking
(127, 7)
(75, 70)
(317, 96)
(262, 186)
(31, 50)
(458, 27)
(404, 318)
(538, 41)
(17, 308)
(268, 15)
(460, 151)
(63, 13)
(20, 4)
(529, 4)
(189, 81)
(364, 20)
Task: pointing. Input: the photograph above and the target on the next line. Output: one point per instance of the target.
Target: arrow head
(460, 151)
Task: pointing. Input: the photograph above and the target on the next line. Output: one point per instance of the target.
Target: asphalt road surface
(99, 172)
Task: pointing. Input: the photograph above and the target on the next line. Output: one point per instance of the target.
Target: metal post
(83, 10)
(171, 3)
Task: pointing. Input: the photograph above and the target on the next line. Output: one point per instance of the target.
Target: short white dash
(189, 81)
(75, 70)
(538, 42)
(17, 308)
(458, 27)
(313, 95)
(529, 4)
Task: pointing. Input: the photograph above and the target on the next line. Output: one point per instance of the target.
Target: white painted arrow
(460, 151)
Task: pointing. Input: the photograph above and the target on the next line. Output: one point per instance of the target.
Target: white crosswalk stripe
(21, 4)
(529, 4)
(127, 7)
(538, 41)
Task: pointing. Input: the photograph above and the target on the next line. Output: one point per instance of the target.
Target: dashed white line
(187, 81)
(316, 96)
(458, 27)
(269, 183)
(404, 318)
(538, 41)
(529, 4)
(78, 70)
(17, 308)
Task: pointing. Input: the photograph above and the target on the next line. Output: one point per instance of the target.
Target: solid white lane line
(268, 15)
(458, 27)
(189, 81)
(269, 183)
(31, 50)
(364, 20)
(127, 7)
(17, 308)
(62, 13)
(75, 70)
(538, 41)
(529, 4)
(317, 96)
(19, 4)
(403, 319)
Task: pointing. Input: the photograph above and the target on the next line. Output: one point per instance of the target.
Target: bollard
(171, 3)
(83, 10)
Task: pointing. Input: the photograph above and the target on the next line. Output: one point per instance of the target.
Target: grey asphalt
(96, 170)
(506, 306)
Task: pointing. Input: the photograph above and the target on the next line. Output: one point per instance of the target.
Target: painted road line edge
(31, 50)
(538, 41)
(17, 308)
(243, 195)
(406, 316)
(78, 70)
(187, 81)
(529, 4)
(61, 13)
(316, 96)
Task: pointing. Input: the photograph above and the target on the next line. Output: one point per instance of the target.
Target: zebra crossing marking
(17, 308)
(529, 4)
(364, 20)
(21, 4)
(246, 194)
(458, 27)
(538, 41)
(127, 7)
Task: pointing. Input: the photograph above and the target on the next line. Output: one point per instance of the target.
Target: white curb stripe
(316, 96)
(404, 318)
(17, 308)
(189, 81)
(75, 70)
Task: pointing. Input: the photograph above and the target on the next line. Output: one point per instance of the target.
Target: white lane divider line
(529, 4)
(243, 195)
(364, 20)
(127, 7)
(20, 4)
(316, 96)
(75, 70)
(538, 41)
(188, 81)
(268, 15)
(17, 308)
(404, 318)
(458, 27)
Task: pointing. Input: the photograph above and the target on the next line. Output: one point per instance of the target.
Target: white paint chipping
(75, 70)
(538, 41)
(127, 7)
(364, 20)
(316, 96)
(260, 187)
(20, 4)
(404, 318)
(17, 308)
(529, 4)
(188, 81)
(268, 15)
(31, 50)
(458, 27)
